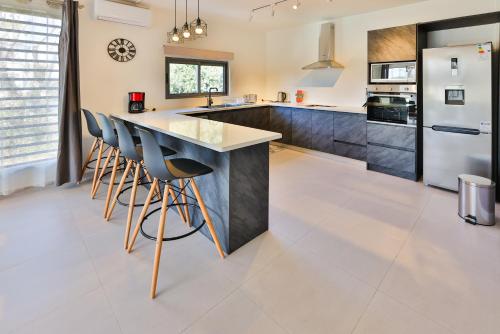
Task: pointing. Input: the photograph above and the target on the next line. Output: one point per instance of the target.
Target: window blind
(29, 85)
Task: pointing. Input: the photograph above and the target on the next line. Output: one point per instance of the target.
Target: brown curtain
(69, 157)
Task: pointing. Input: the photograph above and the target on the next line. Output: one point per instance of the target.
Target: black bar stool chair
(110, 137)
(133, 156)
(98, 145)
(166, 171)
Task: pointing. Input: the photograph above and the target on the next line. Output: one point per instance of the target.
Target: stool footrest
(150, 237)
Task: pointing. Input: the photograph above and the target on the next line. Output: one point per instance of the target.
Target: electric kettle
(282, 97)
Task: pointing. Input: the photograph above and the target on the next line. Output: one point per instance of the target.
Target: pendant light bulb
(175, 36)
(296, 5)
(185, 31)
(199, 29)
(185, 28)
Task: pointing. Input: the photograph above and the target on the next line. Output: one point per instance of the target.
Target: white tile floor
(348, 251)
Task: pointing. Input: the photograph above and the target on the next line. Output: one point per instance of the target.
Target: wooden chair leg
(131, 204)
(89, 156)
(143, 214)
(148, 177)
(119, 189)
(159, 240)
(176, 202)
(112, 181)
(184, 200)
(206, 216)
(97, 166)
(103, 170)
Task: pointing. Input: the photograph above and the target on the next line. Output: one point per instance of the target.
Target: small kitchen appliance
(282, 97)
(136, 102)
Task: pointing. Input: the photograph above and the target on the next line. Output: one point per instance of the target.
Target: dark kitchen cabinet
(281, 122)
(391, 135)
(353, 151)
(257, 117)
(392, 44)
(392, 150)
(322, 131)
(349, 134)
(221, 116)
(400, 162)
(350, 128)
(302, 128)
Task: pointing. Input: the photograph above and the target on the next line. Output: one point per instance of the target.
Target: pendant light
(296, 5)
(186, 33)
(174, 36)
(198, 26)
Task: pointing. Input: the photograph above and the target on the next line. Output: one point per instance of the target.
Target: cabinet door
(391, 135)
(392, 44)
(352, 151)
(221, 116)
(302, 128)
(281, 122)
(260, 117)
(391, 158)
(322, 131)
(350, 128)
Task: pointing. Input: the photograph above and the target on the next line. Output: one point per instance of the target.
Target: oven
(392, 104)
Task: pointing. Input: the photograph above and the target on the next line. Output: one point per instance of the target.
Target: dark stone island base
(236, 193)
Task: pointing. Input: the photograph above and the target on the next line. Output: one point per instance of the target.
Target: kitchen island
(237, 192)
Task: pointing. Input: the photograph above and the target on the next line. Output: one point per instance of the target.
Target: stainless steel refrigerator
(457, 113)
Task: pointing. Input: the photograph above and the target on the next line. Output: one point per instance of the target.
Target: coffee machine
(136, 102)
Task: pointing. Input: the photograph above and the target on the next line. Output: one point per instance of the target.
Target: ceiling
(309, 11)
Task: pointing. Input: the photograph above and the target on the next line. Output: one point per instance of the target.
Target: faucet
(210, 101)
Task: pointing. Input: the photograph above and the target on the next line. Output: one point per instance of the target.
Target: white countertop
(217, 136)
(355, 110)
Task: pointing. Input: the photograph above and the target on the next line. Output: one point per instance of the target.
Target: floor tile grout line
(210, 309)
(100, 282)
(377, 288)
(270, 316)
(394, 261)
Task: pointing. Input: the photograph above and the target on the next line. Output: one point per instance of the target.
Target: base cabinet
(281, 122)
(350, 128)
(302, 128)
(392, 150)
(349, 150)
(322, 131)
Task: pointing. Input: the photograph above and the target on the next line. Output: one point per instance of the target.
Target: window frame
(200, 63)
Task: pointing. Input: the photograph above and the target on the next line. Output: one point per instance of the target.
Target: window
(192, 78)
(29, 81)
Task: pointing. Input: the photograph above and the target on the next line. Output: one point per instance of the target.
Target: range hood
(326, 49)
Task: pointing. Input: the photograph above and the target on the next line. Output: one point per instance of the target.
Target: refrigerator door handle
(452, 129)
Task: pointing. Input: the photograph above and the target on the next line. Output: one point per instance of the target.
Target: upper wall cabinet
(392, 44)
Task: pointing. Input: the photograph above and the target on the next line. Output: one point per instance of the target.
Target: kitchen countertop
(217, 136)
(355, 110)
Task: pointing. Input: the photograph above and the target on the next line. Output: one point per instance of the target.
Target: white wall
(105, 82)
(289, 49)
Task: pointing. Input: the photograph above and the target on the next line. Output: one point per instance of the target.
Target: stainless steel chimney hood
(326, 49)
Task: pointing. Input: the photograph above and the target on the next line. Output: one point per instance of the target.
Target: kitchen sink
(218, 106)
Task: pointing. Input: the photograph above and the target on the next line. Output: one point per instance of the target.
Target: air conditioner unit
(121, 13)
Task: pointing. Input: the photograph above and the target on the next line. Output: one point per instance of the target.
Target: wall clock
(121, 50)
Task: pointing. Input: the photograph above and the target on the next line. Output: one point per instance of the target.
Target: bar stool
(133, 155)
(109, 137)
(98, 145)
(166, 171)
